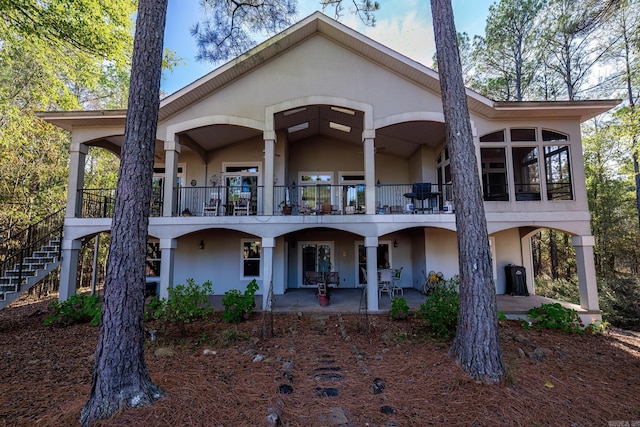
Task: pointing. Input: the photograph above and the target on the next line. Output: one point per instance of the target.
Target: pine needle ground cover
(321, 371)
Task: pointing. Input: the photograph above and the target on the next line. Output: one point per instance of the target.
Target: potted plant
(285, 207)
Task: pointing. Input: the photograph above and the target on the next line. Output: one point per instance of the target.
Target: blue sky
(402, 25)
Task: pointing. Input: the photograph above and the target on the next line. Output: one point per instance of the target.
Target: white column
(269, 170)
(527, 262)
(586, 271)
(167, 253)
(69, 268)
(171, 152)
(78, 153)
(371, 245)
(268, 243)
(370, 175)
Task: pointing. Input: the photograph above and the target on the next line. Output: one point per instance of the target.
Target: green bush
(555, 316)
(399, 308)
(238, 306)
(76, 309)
(440, 310)
(185, 303)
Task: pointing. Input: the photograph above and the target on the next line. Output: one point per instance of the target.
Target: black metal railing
(100, 202)
(16, 246)
(316, 199)
(219, 200)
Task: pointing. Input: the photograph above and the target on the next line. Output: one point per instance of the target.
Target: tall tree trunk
(553, 254)
(476, 346)
(120, 375)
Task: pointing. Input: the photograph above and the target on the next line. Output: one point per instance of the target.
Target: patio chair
(384, 283)
(395, 282)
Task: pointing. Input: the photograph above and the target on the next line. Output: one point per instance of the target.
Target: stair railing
(22, 244)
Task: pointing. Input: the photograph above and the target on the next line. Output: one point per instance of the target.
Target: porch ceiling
(300, 124)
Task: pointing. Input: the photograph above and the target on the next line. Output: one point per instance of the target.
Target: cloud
(410, 34)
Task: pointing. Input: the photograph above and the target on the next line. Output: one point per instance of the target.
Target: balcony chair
(211, 208)
(243, 204)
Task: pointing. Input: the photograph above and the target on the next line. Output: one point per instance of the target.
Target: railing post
(104, 206)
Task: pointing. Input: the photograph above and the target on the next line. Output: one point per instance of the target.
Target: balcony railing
(318, 199)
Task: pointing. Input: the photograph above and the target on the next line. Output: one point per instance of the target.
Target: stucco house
(321, 150)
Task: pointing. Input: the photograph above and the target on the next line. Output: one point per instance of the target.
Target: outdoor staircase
(28, 256)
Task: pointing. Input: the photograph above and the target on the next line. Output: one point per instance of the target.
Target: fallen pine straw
(582, 379)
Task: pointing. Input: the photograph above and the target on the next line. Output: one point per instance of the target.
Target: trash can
(516, 280)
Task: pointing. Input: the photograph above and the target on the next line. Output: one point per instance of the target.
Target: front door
(316, 257)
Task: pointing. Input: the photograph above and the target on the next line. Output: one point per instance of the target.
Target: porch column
(269, 173)
(78, 153)
(171, 153)
(69, 268)
(371, 245)
(268, 243)
(167, 253)
(527, 262)
(370, 176)
(586, 268)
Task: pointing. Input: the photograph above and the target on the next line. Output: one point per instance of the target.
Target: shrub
(76, 309)
(555, 316)
(440, 310)
(399, 308)
(185, 303)
(238, 306)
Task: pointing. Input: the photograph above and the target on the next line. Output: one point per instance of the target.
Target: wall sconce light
(201, 244)
(395, 243)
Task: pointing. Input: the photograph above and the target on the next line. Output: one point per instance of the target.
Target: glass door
(157, 189)
(316, 257)
(241, 181)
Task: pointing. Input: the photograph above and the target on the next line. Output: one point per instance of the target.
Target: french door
(315, 257)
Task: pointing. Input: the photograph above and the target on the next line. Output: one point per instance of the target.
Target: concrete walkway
(352, 301)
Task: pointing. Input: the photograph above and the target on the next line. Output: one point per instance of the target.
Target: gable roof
(318, 23)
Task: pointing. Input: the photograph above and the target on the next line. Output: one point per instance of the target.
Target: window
(152, 263)
(251, 254)
(523, 134)
(526, 173)
(493, 137)
(558, 172)
(549, 135)
(494, 174)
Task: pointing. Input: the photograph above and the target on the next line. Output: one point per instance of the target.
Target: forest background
(531, 50)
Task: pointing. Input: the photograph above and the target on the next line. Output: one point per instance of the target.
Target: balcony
(322, 199)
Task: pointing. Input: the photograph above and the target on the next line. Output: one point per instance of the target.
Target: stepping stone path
(327, 375)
